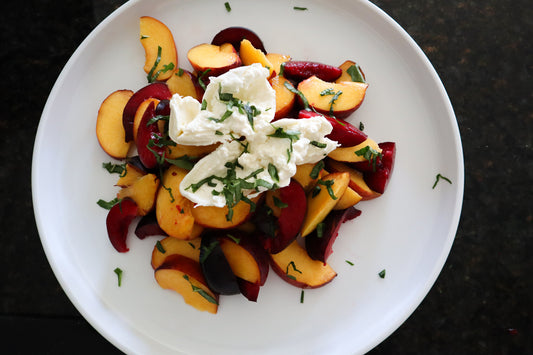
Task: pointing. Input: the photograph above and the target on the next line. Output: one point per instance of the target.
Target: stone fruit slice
(235, 35)
(213, 60)
(109, 130)
(159, 47)
(118, 222)
(299, 70)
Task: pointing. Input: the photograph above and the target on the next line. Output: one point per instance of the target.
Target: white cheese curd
(191, 125)
(266, 155)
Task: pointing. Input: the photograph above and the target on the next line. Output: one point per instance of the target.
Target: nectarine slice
(336, 99)
(277, 60)
(343, 132)
(246, 257)
(183, 275)
(171, 246)
(322, 199)
(295, 266)
(351, 71)
(143, 192)
(109, 129)
(357, 182)
(139, 114)
(285, 98)
(216, 59)
(185, 83)
(250, 55)
(357, 153)
(173, 211)
(348, 199)
(216, 217)
(131, 175)
(378, 180)
(159, 47)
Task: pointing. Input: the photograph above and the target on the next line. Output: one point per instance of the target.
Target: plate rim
(115, 339)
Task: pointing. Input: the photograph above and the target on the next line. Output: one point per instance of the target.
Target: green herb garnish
(300, 8)
(318, 144)
(361, 126)
(320, 229)
(291, 264)
(302, 296)
(437, 179)
(153, 76)
(115, 168)
(382, 273)
(356, 74)
(278, 203)
(118, 271)
(108, 204)
(184, 162)
(228, 7)
(273, 171)
(328, 184)
(292, 89)
(235, 239)
(201, 78)
(315, 172)
(369, 154)
(349, 262)
(160, 247)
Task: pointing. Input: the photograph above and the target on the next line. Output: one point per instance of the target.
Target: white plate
(408, 231)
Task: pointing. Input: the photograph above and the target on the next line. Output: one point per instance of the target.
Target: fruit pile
(206, 252)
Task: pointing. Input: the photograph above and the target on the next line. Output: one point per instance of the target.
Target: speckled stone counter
(481, 302)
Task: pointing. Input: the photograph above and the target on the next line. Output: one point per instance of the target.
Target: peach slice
(216, 217)
(295, 266)
(139, 114)
(250, 55)
(132, 174)
(154, 35)
(173, 211)
(143, 192)
(351, 71)
(192, 151)
(322, 199)
(246, 257)
(335, 99)
(277, 59)
(285, 98)
(303, 176)
(185, 83)
(216, 59)
(357, 182)
(183, 275)
(348, 154)
(171, 246)
(348, 199)
(109, 129)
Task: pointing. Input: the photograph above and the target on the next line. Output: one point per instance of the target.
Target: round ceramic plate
(408, 231)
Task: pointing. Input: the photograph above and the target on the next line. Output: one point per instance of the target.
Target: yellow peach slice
(154, 35)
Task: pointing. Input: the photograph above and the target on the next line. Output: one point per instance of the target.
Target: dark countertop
(482, 300)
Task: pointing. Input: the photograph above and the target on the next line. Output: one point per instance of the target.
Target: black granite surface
(481, 302)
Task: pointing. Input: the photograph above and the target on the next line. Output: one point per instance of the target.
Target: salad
(242, 164)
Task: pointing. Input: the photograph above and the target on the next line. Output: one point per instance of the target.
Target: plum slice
(299, 70)
(118, 222)
(343, 132)
(319, 244)
(248, 289)
(148, 138)
(148, 227)
(283, 217)
(235, 35)
(215, 267)
(158, 91)
(378, 179)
